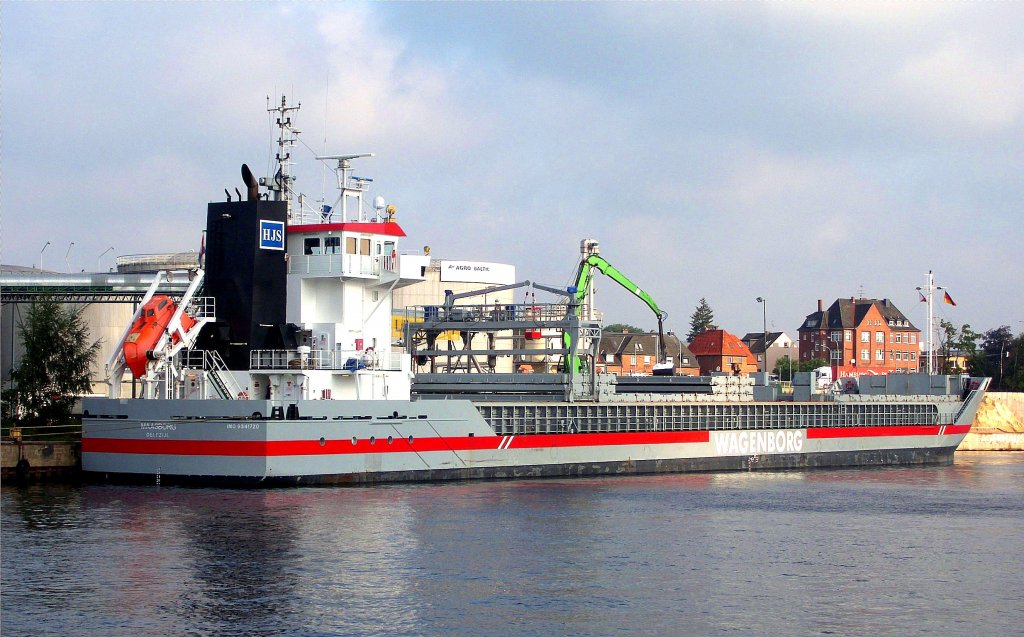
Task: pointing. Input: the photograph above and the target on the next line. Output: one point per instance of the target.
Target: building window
(865, 337)
(879, 355)
(880, 337)
(632, 360)
(865, 355)
(913, 338)
(647, 360)
(899, 337)
(837, 336)
(849, 335)
(913, 356)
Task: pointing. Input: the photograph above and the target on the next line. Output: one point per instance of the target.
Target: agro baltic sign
(477, 272)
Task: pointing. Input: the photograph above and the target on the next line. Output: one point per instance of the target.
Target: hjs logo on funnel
(271, 235)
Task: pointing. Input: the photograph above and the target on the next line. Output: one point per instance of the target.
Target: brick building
(720, 351)
(626, 354)
(861, 336)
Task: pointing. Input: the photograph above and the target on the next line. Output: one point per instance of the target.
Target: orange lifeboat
(147, 330)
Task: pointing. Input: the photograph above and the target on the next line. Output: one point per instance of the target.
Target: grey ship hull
(359, 442)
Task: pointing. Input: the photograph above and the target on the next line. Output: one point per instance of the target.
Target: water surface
(894, 551)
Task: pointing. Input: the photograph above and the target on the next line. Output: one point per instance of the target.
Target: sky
(727, 151)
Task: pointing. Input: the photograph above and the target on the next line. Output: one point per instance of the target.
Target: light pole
(101, 256)
(764, 334)
(789, 355)
(67, 264)
(41, 256)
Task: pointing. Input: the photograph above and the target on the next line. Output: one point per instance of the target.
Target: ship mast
(281, 183)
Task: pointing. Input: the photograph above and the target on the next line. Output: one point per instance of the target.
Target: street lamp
(41, 256)
(101, 256)
(67, 264)
(764, 334)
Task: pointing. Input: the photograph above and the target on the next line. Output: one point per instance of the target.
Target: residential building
(720, 351)
(779, 346)
(627, 354)
(861, 336)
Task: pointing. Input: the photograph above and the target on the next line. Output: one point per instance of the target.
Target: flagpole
(931, 323)
(929, 288)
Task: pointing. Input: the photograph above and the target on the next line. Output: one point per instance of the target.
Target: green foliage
(623, 328)
(702, 320)
(54, 369)
(812, 364)
(784, 366)
(999, 357)
(953, 342)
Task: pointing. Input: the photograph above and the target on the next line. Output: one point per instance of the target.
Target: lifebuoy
(975, 384)
(850, 385)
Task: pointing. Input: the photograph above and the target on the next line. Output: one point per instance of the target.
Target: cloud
(381, 89)
(959, 84)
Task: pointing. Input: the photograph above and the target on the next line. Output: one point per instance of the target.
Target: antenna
(348, 185)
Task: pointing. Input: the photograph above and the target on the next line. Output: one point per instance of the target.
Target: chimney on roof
(821, 307)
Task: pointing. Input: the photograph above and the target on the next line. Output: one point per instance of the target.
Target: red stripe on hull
(865, 432)
(398, 445)
(957, 429)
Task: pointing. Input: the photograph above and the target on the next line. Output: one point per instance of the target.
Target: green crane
(577, 294)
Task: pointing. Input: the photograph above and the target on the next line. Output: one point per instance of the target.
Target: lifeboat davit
(147, 330)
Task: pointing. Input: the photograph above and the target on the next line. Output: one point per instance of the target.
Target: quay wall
(29, 461)
(999, 425)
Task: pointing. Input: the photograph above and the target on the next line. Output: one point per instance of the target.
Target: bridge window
(311, 246)
(332, 245)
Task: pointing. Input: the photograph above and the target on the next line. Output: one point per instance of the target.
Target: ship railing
(202, 307)
(338, 264)
(491, 312)
(516, 419)
(336, 360)
(221, 379)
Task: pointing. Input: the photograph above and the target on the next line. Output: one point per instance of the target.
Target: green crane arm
(583, 276)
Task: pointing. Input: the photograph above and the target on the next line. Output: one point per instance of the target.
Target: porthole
(373, 439)
(322, 441)
(410, 440)
(354, 441)
(390, 439)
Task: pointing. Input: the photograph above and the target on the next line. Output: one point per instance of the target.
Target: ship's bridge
(353, 250)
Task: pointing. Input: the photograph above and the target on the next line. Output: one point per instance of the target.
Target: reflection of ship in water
(241, 551)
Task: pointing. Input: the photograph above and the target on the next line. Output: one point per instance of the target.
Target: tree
(619, 328)
(955, 345)
(992, 360)
(702, 320)
(54, 369)
(784, 368)
(812, 364)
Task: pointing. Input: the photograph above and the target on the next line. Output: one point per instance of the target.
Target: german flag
(948, 299)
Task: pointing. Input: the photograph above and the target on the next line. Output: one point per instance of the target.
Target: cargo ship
(278, 366)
